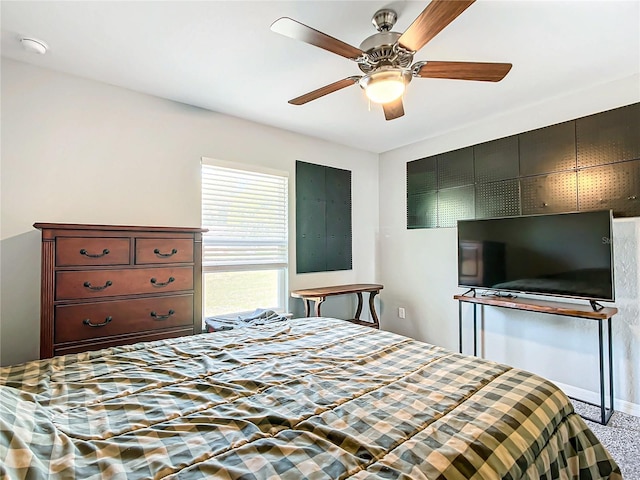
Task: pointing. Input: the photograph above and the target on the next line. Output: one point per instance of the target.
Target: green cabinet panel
(609, 137)
(323, 218)
(496, 160)
(591, 163)
(547, 150)
(455, 168)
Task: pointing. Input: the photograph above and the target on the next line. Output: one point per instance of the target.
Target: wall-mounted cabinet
(455, 168)
(455, 203)
(591, 163)
(496, 160)
(615, 186)
(609, 137)
(548, 150)
(497, 199)
(323, 218)
(550, 193)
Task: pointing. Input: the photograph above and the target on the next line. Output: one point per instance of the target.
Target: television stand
(598, 313)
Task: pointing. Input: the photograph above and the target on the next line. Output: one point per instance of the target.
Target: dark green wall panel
(310, 181)
(455, 168)
(422, 175)
(455, 204)
(552, 193)
(323, 218)
(310, 235)
(615, 186)
(547, 150)
(338, 229)
(422, 210)
(338, 252)
(496, 160)
(591, 163)
(609, 137)
(498, 199)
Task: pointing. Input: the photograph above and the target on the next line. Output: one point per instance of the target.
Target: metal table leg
(605, 411)
(475, 331)
(610, 342)
(460, 327)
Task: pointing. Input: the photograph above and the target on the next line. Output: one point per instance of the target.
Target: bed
(312, 398)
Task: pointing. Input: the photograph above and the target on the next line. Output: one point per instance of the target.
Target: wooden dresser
(107, 285)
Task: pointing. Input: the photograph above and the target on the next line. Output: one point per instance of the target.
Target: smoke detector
(34, 45)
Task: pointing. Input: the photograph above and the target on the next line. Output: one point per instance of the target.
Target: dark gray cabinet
(591, 163)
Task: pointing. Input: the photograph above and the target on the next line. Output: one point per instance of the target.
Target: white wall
(418, 267)
(79, 151)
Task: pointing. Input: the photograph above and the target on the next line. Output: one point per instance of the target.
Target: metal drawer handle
(87, 321)
(173, 252)
(160, 284)
(162, 317)
(94, 255)
(90, 287)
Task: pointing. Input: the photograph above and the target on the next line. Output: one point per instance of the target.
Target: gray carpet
(621, 437)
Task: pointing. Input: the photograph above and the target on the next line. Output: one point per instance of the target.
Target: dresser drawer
(106, 342)
(71, 251)
(109, 283)
(164, 250)
(103, 319)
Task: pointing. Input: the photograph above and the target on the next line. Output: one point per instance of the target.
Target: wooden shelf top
(116, 228)
(544, 306)
(336, 290)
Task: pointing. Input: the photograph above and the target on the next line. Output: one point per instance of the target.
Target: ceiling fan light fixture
(385, 86)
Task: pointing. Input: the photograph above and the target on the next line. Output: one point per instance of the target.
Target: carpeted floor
(621, 436)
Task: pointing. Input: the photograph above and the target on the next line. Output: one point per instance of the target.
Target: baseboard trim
(593, 397)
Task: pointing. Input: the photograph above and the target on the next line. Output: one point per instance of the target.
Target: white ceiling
(222, 56)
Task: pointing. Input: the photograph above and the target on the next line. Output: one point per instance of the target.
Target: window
(245, 250)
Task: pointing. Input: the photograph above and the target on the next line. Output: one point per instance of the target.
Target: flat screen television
(568, 255)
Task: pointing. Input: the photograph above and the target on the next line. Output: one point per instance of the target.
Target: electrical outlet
(401, 312)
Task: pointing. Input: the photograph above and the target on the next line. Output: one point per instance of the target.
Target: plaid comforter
(302, 399)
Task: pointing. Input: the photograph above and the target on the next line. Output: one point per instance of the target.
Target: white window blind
(246, 214)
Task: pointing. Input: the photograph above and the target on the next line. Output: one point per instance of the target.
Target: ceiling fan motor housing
(382, 50)
(384, 20)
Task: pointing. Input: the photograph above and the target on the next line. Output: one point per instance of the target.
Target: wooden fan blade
(393, 109)
(437, 15)
(299, 31)
(322, 91)
(483, 72)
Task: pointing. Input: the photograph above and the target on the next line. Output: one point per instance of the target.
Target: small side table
(319, 295)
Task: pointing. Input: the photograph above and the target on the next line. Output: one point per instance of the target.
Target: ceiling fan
(385, 57)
